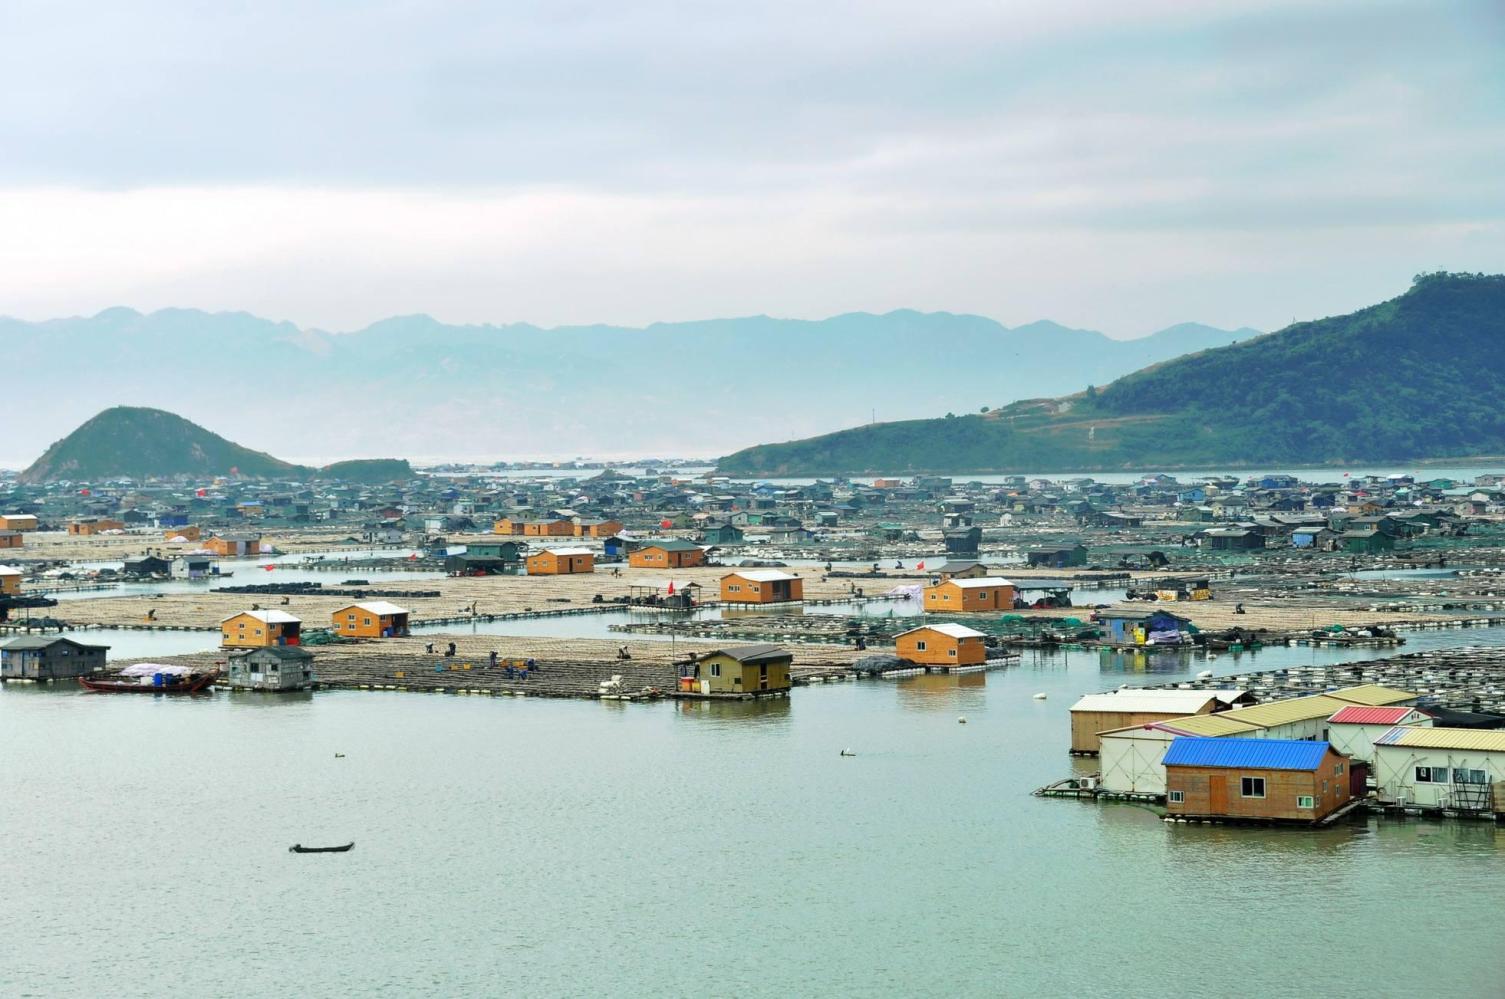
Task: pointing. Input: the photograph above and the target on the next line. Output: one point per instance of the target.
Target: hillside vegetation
(140, 443)
(1414, 377)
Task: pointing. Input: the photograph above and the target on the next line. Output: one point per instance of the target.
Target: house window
(1305, 801)
(1431, 775)
(919, 646)
(982, 595)
(733, 588)
(715, 669)
(1175, 797)
(367, 622)
(1252, 787)
(951, 653)
(1338, 768)
(1470, 777)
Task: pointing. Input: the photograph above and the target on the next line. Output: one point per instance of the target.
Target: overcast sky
(1119, 166)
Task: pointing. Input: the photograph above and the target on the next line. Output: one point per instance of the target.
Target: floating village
(669, 581)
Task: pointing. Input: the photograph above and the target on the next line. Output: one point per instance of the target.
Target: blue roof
(1262, 754)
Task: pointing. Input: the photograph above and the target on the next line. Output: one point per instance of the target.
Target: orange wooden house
(671, 553)
(561, 562)
(255, 629)
(95, 525)
(598, 528)
(989, 593)
(370, 619)
(942, 645)
(1279, 780)
(188, 532)
(18, 522)
(10, 581)
(761, 586)
(11, 539)
(231, 545)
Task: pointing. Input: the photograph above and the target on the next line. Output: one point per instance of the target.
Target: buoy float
(847, 752)
(1040, 697)
(962, 720)
(1204, 674)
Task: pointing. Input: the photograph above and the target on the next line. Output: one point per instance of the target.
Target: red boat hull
(193, 686)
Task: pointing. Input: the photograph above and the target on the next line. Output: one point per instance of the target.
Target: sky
(1109, 165)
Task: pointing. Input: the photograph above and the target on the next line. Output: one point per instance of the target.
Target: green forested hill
(137, 442)
(1415, 377)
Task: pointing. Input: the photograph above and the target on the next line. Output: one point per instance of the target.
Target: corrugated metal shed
(1372, 693)
(1359, 714)
(1480, 740)
(1285, 712)
(1207, 725)
(1248, 754)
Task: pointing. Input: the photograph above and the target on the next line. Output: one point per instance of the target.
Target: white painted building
(1447, 768)
(1352, 730)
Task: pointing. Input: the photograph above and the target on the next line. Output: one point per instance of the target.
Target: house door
(1217, 794)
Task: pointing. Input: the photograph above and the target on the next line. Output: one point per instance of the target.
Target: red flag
(671, 587)
(666, 524)
(202, 492)
(920, 567)
(83, 492)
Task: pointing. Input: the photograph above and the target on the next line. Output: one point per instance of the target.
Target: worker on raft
(1238, 608)
(622, 653)
(449, 651)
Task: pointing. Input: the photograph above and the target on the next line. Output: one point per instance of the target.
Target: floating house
(986, 593)
(1094, 714)
(747, 670)
(188, 532)
(1353, 730)
(370, 619)
(18, 522)
(942, 645)
(257, 628)
(962, 569)
(12, 539)
(272, 668)
(32, 657)
(561, 562)
(10, 581)
(597, 528)
(1443, 769)
(95, 525)
(233, 545)
(672, 553)
(761, 586)
(1133, 627)
(1058, 557)
(1283, 780)
(145, 567)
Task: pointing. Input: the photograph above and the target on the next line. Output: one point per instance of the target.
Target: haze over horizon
(1109, 167)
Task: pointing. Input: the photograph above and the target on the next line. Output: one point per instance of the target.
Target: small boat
(192, 683)
(300, 848)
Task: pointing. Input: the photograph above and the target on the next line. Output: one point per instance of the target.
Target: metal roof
(28, 643)
(953, 630)
(1482, 740)
(1363, 714)
(1285, 712)
(266, 617)
(977, 584)
(381, 608)
(1373, 694)
(1187, 702)
(751, 655)
(1254, 754)
(1209, 725)
(761, 575)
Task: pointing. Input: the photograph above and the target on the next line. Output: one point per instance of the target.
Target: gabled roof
(1148, 701)
(670, 545)
(1362, 714)
(1253, 754)
(1481, 740)
(381, 608)
(266, 617)
(762, 575)
(1220, 724)
(751, 655)
(1285, 712)
(569, 551)
(977, 584)
(1373, 694)
(32, 643)
(953, 630)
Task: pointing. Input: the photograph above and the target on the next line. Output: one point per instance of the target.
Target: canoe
(192, 685)
(300, 848)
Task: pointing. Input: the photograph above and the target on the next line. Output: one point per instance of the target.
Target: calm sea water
(533, 847)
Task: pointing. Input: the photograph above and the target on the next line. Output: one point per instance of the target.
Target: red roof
(1359, 714)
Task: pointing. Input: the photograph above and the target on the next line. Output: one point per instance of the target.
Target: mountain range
(1415, 377)
(419, 387)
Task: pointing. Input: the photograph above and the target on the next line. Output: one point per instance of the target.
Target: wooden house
(146, 567)
(271, 668)
(33, 657)
(561, 562)
(18, 522)
(597, 528)
(11, 539)
(95, 525)
(1281, 780)
(962, 569)
(987, 593)
(10, 581)
(1094, 714)
(747, 671)
(942, 645)
(234, 545)
(761, 586)
(670, 553)
(188, 532)
(252, 629)
(370, 619)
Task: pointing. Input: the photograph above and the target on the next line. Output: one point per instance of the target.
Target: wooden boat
(192, 684)
(300, 848)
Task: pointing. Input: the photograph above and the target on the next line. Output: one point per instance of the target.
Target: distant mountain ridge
(1413, 377)
(416, 386)
(140, 443)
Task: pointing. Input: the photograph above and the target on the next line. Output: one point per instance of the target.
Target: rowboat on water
(300, 848)
(150, 678)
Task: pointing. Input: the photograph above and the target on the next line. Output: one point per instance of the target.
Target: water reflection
(943, 691)
(763, 709)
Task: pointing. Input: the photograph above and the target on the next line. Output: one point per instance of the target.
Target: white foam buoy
(847, 752)
(1204, 674)
(962, 720)
(1040, 697)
